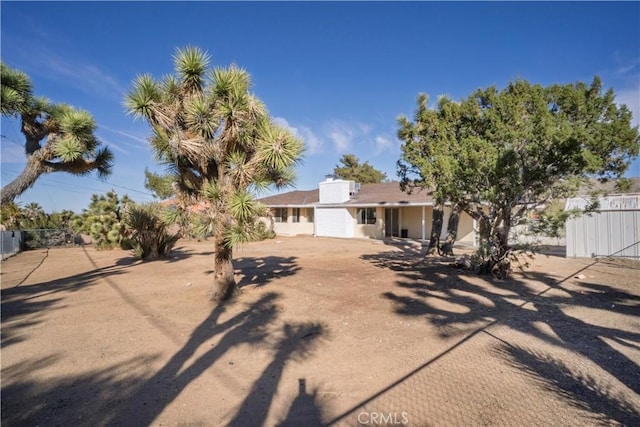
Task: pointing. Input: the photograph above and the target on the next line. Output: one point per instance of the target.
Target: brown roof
(293, 198)
(386, 193)
(389, 193)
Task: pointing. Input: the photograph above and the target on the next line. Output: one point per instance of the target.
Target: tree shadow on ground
(296, 343)
(176, 254)
(247, 327)
(80, 400)
(263, 270)
(129, 394)
(457, 306)
(580, 390)
(23, 306)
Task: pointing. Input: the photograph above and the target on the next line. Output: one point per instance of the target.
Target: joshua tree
(104, 219)
(58, 137)
(220, 142)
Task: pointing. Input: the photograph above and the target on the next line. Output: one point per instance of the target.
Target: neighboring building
(340, 208)
(612, 231)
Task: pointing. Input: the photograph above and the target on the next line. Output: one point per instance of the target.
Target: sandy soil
(324, 332)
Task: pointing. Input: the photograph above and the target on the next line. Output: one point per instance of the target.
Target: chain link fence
(50, 238)
(15, 241)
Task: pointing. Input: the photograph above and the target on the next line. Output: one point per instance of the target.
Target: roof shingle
(386, 193)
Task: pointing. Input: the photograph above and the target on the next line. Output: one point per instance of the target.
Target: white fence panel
(613, 231)
(11, 243)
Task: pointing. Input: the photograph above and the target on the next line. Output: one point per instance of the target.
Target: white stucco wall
(291, 228)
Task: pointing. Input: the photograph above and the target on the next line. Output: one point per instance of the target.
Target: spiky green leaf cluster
(16, 91)
(148, 232)
(216, 138)
(103, 220)
(58, 137)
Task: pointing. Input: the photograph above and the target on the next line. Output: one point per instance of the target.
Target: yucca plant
(148, 232)
(220, 142)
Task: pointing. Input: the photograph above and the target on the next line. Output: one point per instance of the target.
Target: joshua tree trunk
(26, 179)
(154, 252)
(39, 162)
(436, 229)
(452, 231)
(224, 283)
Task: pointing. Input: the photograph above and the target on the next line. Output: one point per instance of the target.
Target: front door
(391, 222)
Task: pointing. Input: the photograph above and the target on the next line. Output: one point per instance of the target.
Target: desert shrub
(148, 231)
(262, 232)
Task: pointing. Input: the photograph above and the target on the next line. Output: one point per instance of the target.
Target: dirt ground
(324, 332)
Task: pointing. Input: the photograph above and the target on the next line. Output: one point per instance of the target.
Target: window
(295, 215)
(309, 214)
(280, 214)
(366, 215)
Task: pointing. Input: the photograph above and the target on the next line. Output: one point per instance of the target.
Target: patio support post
(423, 225)
(475, 233)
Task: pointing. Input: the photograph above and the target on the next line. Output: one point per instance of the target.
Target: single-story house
(341, 208)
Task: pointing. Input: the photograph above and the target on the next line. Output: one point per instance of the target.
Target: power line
(47, 178)
(126, 188)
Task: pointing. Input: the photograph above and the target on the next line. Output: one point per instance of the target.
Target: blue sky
(338, 74)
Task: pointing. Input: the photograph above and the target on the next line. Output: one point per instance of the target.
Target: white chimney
(335, 190)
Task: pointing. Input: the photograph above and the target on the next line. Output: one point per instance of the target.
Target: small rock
(580, 276)
(188, 284)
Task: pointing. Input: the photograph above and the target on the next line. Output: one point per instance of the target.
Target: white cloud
(312, 142)
(341, 139)
(344, 134)
(281, 121)
(345, 137)
(115, 147)
(628, 67)
(84, 76)
(142, 143)
(382, 144)
(364, 128)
